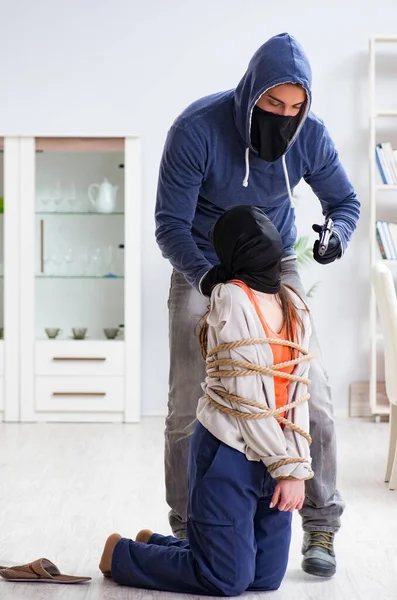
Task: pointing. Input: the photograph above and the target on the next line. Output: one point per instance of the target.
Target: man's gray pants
(323, 505)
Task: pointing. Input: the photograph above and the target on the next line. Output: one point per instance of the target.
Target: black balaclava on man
(249, 248)
(271, 133)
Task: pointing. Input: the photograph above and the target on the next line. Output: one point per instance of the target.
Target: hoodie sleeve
(262, 436)
(328, 180)
(182, 171)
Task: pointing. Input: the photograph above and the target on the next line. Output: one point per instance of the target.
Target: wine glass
(58, 198)
(97, 261)
(85, 262)
(52, 263)
(58, 202)
(68, 259)
(72, 198)
(109, 260)
(45, 203)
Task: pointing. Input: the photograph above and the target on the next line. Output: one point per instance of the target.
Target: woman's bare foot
(105, 564)
(144, 536)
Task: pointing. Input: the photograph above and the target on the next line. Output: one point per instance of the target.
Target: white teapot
(106, 197)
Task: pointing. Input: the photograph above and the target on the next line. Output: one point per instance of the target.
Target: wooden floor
(64, 488)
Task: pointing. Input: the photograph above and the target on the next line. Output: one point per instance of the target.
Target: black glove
(333, 251)
(217, 274)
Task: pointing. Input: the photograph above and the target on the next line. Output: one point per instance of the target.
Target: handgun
(325, 236)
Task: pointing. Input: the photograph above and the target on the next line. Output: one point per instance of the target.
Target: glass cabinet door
(79, 233)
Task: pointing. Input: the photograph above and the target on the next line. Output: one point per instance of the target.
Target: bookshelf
(377, 192)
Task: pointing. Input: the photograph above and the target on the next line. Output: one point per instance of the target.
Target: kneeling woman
(249, 453)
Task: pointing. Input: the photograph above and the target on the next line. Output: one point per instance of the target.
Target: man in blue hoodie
(249, 146)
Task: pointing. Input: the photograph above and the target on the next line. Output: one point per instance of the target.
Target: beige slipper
(40, 571)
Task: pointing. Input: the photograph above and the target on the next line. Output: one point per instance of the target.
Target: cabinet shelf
(386, 188)
(101, 277)
(381, 410)
(386, 113)
(385, 39)
(76, 213)
(70, 338)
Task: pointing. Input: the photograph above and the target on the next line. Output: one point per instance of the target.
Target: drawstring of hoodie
(247, 167)
(286, 176)
(287, 180)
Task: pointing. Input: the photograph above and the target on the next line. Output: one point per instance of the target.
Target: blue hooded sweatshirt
(209, 165)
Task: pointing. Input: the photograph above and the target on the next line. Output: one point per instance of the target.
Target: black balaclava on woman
(249, 248)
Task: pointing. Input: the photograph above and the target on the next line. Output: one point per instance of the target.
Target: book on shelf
(386, 237)
(386, 160)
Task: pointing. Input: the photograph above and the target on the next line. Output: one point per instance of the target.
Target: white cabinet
(10, 307)
(74, 264)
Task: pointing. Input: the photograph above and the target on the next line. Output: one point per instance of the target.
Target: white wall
(125, 66)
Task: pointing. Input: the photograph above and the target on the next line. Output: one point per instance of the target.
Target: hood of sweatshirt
(279, 60)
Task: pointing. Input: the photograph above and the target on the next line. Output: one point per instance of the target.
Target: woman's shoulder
(226, 300)
(229, 292)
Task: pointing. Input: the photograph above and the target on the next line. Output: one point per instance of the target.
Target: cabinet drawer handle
(78, 358)
(92, 394)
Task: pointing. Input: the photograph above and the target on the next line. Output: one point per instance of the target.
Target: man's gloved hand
(333, 251)
(217, 274)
